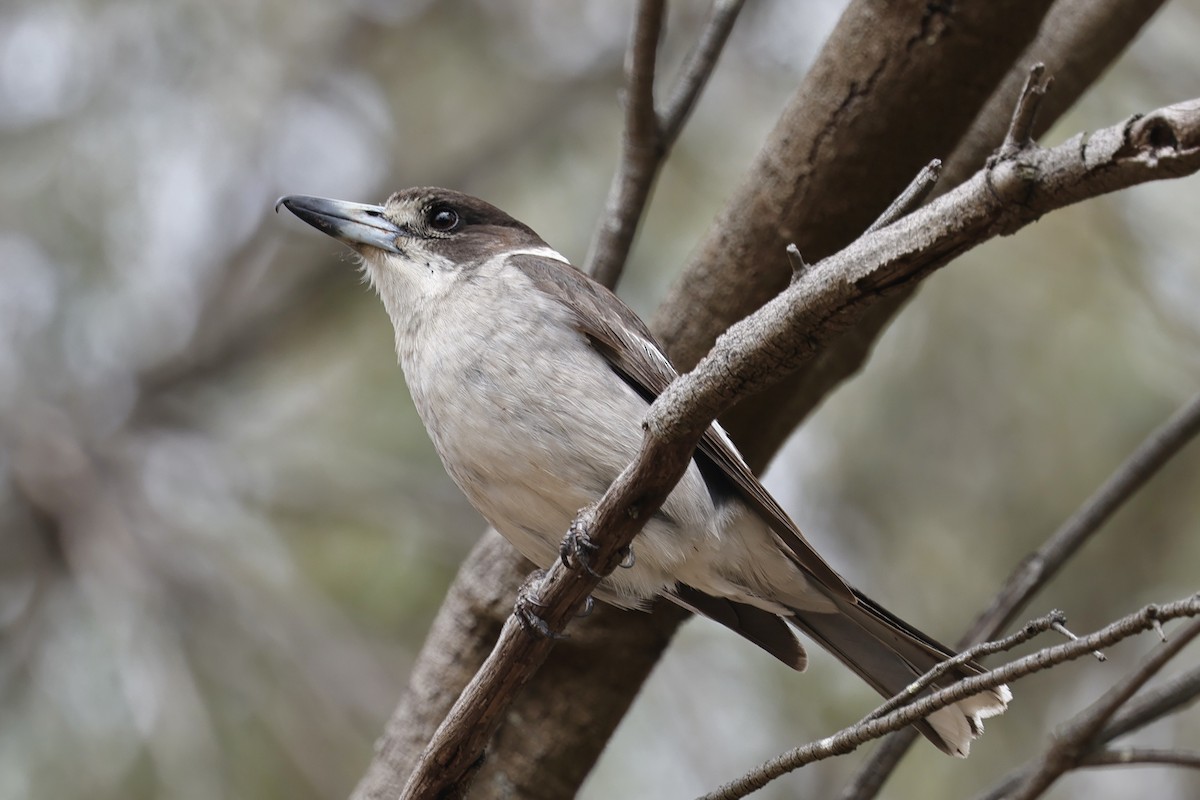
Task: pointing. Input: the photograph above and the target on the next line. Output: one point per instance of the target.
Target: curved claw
(628, 560)
(526, 607)
(535, 624)
(576, 550)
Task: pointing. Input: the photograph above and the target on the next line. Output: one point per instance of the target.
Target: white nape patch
(541, 252)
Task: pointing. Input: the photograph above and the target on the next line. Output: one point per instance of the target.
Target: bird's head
(422, 240)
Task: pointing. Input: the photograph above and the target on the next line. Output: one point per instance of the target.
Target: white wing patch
(656, 355)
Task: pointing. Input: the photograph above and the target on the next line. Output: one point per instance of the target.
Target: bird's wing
(623, 339)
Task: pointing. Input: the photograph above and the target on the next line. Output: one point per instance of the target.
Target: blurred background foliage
(223, 532)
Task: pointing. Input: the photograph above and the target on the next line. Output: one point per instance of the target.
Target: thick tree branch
(1077, 40)
(1013, 191)
(837, 153)
(650, 134)
(873, 727)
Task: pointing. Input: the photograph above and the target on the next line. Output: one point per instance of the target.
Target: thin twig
(1065, 631)
(649, 135)
(697, 68)
(1080, 735)
(849, 739)
(911, 197)
(799, 265)
(641, 120)
(1028, 631)
(1038, 568)
(1020, 129)
(1147, 707)
(1155, 452)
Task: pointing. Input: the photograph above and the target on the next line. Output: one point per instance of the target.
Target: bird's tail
(889, 655)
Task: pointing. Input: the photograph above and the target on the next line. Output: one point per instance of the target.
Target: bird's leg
(528, 605)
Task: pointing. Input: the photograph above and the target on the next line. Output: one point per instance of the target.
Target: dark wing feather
(763, 628)
(624, 340)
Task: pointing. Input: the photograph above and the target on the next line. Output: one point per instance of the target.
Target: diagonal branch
(873, 727)
(1138, 712)
(1147, 707)
(1154, 704)
(1013, 191)
(1069, 745)
(697, 68)
(1036, 570)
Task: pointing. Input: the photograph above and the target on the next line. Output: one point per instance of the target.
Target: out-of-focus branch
(1155, 451)
(1082, 738)
(1038, 568)
(698, 68)
(1154, 704)
(1145, 708)
(873, 727)
(649, 134)
(1016, 189)
(1134, 756)
(1068, 744)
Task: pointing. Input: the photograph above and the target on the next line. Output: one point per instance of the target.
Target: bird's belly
(529, 463)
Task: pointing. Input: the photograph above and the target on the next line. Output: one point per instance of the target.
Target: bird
(532, 381)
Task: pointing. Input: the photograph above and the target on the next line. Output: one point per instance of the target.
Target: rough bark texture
(1077, 42)
(896, 85)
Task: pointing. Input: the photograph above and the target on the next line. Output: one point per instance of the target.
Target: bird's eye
(442, 218)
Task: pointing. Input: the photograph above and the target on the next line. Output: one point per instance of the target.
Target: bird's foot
(577, 547)
(528, 606)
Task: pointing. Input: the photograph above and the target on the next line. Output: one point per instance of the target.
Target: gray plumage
(532, 381)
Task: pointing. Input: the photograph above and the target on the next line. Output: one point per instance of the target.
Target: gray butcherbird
(532, 380)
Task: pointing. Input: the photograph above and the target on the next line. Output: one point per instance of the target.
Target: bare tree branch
(1154, 704)
(1077, 40)
(1013, 191)
(1137, 713)
(1142, 710)
(849, 739)
(1051, 621)
(1038, 568)
(697, 68)
(1140, 756)
(910, 198)
(649, 135)
(1020, 129)
(1069, 745)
